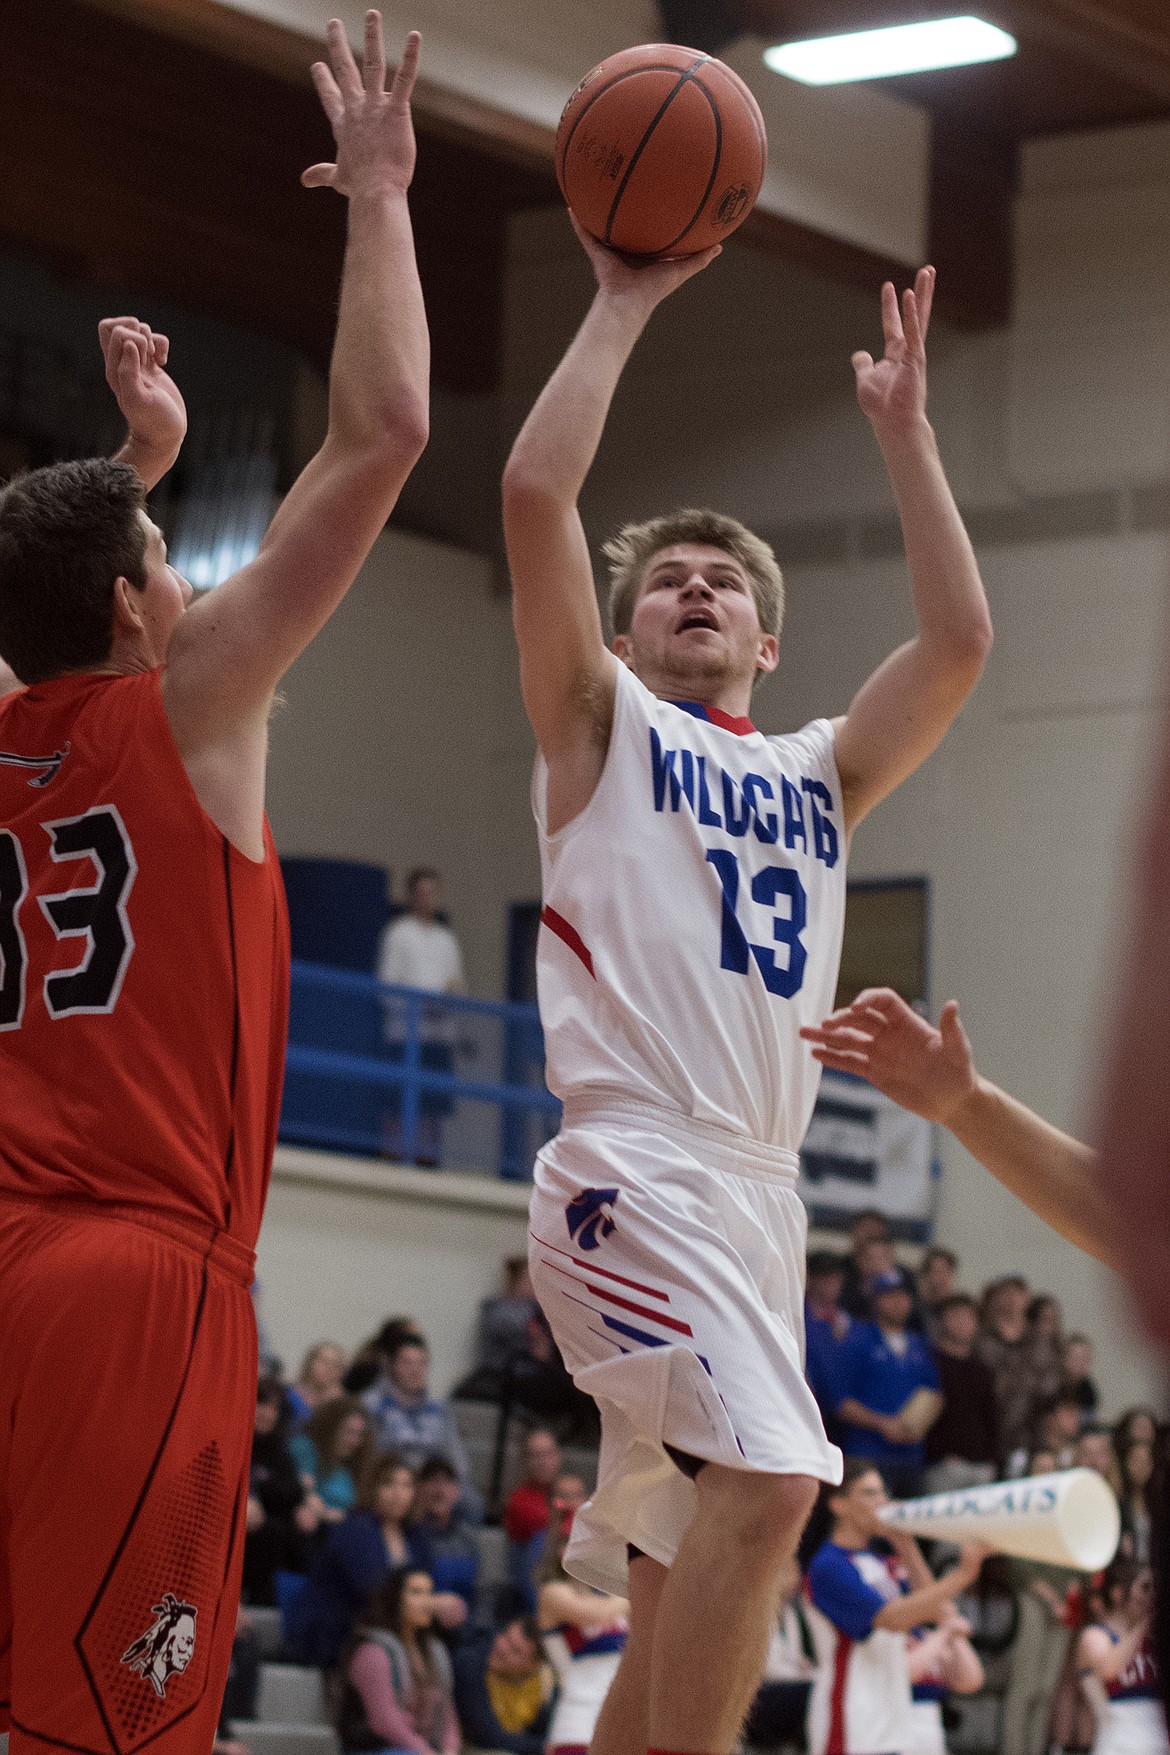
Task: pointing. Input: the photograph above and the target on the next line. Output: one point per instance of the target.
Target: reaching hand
(881, 1039)
(652, 280)
(372, 126)
(135, 357)
(892, 390)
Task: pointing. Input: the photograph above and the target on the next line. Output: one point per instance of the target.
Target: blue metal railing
(392, 1071)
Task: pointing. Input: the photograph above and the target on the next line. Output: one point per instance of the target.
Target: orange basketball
(661, 151)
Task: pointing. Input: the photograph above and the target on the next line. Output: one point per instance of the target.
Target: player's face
(165, 595)
(695, 621)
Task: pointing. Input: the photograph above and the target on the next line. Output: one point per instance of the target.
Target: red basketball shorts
(127, 1395)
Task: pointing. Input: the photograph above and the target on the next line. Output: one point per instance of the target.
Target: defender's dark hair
(66, 534)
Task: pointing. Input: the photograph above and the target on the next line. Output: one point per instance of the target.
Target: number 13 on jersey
(768, 886)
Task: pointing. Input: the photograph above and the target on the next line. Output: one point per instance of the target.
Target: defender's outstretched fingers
(341, 59)
(329, 92)
(892, 320)
(924, 285)
(402, 85)
(912, 324)
(374, 58)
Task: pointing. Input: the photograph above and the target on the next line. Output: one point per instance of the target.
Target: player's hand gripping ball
(661, 151)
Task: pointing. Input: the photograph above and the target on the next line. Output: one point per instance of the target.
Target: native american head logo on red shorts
(165, 1649)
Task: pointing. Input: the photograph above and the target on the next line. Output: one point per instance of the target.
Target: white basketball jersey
(692, 919)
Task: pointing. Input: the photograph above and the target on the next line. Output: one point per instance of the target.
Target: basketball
(661, 151)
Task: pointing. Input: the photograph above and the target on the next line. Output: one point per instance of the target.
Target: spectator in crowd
(278, 1518)
(1135, 1425)
(504, 1323)
(1115, 1658)
(504, 1688)
(451, 1544)
(369, 1362)
(937, 1281)
(882, 1365)
(584, 1636)
(780, 1708)
(825, 1326)
(864, 1227)
(1137, 1467)
(1056, 1431)
(397, 1691)
(418, 950)
(527, 1513)
(1004, 1347)
(409, 1421)
(962, 1447)
(1045, 1607)
(1094, 1450)
(942, 1662)
(318, 1380)
(1046, 1343)
(1077, 1376)
(356, 1560)
(865, 1609)
(536, 1379)
(332, 1453)
(874, 1255)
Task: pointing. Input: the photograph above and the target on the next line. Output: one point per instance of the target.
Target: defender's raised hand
(881, 1039)
(892, 390)
(372, 126)
(135, 356)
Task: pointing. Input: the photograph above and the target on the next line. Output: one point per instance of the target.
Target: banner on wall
(862, 1150)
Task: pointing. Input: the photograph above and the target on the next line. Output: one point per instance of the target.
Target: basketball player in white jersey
(694, 893)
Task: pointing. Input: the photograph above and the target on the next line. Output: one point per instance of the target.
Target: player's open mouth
(699, 618)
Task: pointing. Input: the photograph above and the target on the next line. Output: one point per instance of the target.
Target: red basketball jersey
(143, 966)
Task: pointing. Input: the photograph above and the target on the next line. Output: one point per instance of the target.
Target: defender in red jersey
(144, 989)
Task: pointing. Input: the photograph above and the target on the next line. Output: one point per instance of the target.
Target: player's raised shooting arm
(565, 671)
(901, 714)
(932, 1072)
(230, 650)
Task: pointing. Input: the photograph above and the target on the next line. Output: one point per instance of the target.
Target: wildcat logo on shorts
(589, 1216)
(165, 1649)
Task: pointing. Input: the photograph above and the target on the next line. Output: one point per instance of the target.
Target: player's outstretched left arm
(932, 1072)
(229, 651)
(901, 714)
(135, 357)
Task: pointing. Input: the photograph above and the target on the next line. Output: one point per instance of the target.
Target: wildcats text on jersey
(678, 774)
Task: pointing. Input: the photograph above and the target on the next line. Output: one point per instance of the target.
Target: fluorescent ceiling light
(901, 48)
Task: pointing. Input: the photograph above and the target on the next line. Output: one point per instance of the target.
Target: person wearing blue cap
(882, 1367)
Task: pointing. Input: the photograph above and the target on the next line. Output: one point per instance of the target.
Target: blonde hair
(635, 545)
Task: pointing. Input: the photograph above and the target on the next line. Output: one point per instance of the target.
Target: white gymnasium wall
(1057, 437)
(401, 740)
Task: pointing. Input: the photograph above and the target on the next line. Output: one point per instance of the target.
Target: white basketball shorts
(669, 1259)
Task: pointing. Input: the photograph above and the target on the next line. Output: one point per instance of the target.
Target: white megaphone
(1069, 1519)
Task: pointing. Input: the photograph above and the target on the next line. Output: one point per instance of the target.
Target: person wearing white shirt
(418, 950)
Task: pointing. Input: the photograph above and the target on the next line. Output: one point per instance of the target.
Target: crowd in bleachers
(408, 1570)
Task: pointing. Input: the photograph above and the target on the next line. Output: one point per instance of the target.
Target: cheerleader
(584, 1637)
(1118, 1670)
